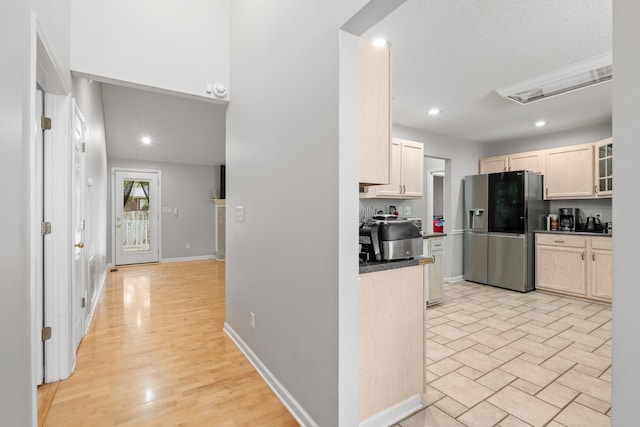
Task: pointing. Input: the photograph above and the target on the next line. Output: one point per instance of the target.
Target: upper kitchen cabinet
(604, 168)
(530, 161)
(569, 172)
(407, 173)
(374, 113)
(493, 164)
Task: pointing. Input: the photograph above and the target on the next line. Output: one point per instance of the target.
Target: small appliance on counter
(569, 219)
(389, 240)
(593, 225)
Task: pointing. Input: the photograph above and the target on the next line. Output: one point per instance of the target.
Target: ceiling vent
(576, 76)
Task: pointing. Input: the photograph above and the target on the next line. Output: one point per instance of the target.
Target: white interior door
(79, 267)
(136, 217)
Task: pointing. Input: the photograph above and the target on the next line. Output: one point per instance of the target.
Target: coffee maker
(569, 218)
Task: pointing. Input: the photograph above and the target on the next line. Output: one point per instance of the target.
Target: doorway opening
(435, 194)
(136, 216)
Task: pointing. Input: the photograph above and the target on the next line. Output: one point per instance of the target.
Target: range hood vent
(576, 76)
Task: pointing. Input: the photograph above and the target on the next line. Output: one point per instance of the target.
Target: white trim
(454, 279)
(456, 232)
(113, 211)
(188, 258)
(292, 405)
(394, 414)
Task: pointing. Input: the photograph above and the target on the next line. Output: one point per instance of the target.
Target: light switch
(175, 211)
(238, 213)
(166, 210)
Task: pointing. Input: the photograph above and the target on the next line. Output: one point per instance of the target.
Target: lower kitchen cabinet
(575, 265)
(433, 247)
(391, 339)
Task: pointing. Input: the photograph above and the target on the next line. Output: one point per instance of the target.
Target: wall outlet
(252, 320)
(188, 245)
(407, 210)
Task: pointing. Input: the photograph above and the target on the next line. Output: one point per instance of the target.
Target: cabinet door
(569, 172)
(374, 113)
(412, 168)
(602, 274)
(604, 167)
(394, 187)
(561, 269)
(494, 164)
(531, 161)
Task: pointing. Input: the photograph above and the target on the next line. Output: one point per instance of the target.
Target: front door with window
(136, 216)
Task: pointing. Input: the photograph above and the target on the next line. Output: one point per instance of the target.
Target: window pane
(136, 235)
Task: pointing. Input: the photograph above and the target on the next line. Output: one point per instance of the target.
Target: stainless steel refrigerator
(501, 212)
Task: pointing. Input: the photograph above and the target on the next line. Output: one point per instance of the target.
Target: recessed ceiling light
(540, 123)
(379, 43)
(146, 140)
(434, 112)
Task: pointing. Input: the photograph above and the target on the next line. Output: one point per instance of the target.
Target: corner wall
(17, 85)
(626, 293)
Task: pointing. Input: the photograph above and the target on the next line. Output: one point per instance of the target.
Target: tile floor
(502, 358)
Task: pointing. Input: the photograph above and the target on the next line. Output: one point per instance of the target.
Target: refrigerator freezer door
(476, 202)
(475, 256)
(508, 262)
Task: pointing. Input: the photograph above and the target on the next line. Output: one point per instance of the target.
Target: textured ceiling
(454, 54)
(182, 130)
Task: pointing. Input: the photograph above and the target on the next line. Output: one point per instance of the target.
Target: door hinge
(82, 224)
(83, 302)
(46, 333)
(45, 228)
(84, 147)
(45, 123)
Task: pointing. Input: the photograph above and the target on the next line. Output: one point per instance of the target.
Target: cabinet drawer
(605, 243)
(561, 240)
(435, 245)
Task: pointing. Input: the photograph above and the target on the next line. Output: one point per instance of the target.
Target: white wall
(164, 44)
(626, 293)
(190, 189)
(17, 85)
(282, 145)
(88, 98)
(463, 158)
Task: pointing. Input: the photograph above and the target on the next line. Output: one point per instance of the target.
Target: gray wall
(282, 145)
(17, 389)
(626, 293)
(189, 188)
(88, 97)
(583, 135)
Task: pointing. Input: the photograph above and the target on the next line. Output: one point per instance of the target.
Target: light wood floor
(156, 355)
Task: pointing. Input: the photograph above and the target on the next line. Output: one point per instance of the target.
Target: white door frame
(46, 72)
(113, 208)
(430, 174)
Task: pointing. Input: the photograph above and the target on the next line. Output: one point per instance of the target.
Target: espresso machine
(569, 219)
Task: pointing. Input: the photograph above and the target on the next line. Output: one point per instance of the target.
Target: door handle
(79, 245)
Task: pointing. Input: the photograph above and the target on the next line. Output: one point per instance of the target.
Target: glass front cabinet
(604, 168)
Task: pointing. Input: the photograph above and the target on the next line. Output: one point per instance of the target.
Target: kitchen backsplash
(587, 207)
(383, 205)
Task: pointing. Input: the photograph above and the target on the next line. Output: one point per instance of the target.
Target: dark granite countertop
(372, 267)
(426, 235)
(575, 233)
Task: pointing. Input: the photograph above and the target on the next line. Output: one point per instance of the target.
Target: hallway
(156, 355)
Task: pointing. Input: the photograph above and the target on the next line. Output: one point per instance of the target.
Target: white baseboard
(394, 414)
(187, 258)
(454, 279)
(292, 405)
(94, 303)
